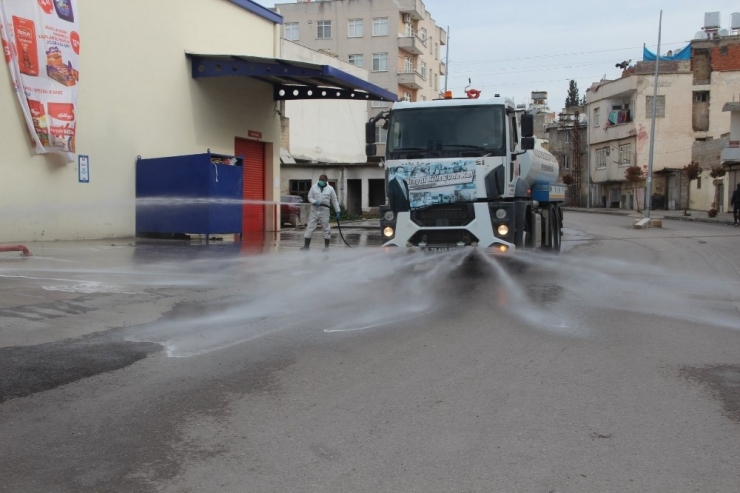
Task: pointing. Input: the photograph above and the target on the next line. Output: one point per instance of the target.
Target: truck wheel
(553, 228)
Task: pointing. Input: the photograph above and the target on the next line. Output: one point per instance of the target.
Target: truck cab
(460, 172)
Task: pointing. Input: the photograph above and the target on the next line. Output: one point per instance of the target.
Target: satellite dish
(701, 35)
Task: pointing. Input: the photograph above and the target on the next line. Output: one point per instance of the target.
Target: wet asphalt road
(614, 366)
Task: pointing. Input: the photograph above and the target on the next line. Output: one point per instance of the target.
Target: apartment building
(689, 118)
(397, 41)
(730, 153)
(567, 142)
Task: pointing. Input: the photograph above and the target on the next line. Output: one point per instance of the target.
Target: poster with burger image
(41, 44)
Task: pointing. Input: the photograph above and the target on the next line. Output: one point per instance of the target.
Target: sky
(515, 47)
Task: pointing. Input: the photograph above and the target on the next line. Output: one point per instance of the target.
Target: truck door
(513, 141)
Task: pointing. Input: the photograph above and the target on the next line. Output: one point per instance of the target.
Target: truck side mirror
(371, 150)
(370, 132)
(527, 143)
(527, 124)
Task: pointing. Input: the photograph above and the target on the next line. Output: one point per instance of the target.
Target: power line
(519, 83)
(559, 54)
(531, 68)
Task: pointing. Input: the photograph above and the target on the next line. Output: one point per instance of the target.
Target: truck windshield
(448, 131)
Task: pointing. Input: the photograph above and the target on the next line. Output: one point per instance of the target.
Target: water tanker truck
(466, 172)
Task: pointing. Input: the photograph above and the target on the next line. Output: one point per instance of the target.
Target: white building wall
(136, 97)
(330, 131)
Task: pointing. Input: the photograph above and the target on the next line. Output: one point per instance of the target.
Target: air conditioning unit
(407, 18)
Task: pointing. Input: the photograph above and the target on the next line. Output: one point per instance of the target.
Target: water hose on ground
(339, 227)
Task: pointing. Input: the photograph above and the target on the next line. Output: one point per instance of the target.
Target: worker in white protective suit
(321, 196)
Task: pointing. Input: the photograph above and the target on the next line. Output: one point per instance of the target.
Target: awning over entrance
(291, 79)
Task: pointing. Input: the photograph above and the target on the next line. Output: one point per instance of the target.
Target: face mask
(322, 183)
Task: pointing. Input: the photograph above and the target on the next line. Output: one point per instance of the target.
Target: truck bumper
(480, 230)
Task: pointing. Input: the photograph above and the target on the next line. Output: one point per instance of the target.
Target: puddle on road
(722, 382)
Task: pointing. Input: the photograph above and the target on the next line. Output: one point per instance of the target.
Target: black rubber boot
(306, 243)
(326, 245)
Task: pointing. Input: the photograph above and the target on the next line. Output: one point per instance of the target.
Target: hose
(339, 227)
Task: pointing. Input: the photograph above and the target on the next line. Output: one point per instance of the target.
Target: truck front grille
(444, 215)
(448, 237)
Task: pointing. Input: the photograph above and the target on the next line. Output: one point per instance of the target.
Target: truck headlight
(503, 230)
(388, 232)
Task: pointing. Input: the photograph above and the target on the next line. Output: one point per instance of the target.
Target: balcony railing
(410, 78)
(412, 43)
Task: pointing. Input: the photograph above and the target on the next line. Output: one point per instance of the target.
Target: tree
(573, 99)
(692, 172)
(633, 174)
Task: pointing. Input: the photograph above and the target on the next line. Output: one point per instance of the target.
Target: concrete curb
(675, 216)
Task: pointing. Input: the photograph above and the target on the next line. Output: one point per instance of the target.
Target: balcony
(415, 8)
(412, 44)
(442, 68)
(731, 153)
(442, 36)
(619, 125)
(410, 78)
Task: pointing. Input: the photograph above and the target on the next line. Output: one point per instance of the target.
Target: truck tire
(553, 229)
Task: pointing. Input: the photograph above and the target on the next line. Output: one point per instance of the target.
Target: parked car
(290, 211)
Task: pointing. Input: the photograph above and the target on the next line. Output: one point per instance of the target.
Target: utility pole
(649, 184)
(588, 156)
(447, 58)
(575, 142)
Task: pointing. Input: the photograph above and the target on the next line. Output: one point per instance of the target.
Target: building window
(408, 30)
(596, 117)
(380, 26)
(355, 28)
(423, 98)
(424, 70)
(300, 187)
(431, 79)
(381, 135)
(567, 136)
(380, 104)
(323, 29)
(291, 31)
(698, 183)
(423, 35)
(700, 111)
(436, 51)
(659, 107)
(408, 65)
(406, 96)
(565, 161)
(625, 155)
(380, 62)
(601, 158)
(436, 82)
(357, 60)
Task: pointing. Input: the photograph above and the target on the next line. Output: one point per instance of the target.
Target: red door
(253, 212)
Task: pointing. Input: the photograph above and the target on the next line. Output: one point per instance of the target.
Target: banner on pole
(41, 42)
